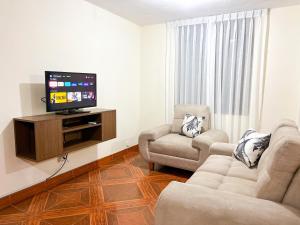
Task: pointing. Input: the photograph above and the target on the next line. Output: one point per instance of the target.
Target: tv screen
(67, 91)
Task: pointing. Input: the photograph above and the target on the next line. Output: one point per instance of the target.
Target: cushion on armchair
(196, 110)
(192, 125)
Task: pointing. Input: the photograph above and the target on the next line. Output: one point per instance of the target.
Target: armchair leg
(151, 166)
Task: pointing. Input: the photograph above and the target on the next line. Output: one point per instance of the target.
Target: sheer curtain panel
(219, 61)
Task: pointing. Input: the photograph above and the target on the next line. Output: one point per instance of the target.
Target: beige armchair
(164, 145)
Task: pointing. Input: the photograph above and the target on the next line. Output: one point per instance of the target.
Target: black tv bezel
(47, 90)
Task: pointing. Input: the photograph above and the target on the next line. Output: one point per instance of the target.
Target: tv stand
(42, 137)
(71, 112)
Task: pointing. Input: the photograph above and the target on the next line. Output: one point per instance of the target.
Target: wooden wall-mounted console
(46, 136)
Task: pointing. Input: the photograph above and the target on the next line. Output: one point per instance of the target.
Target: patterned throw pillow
(192, 125)
(251, 147)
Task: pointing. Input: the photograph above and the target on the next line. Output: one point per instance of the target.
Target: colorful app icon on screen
(52, 84)
(58, 97)
(74, 84)
(88, 95)
(68, 84)
(86, 84)
(60, 84)
(74, 96)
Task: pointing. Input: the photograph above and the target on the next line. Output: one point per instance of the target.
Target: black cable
(43, 99)
(65, 158)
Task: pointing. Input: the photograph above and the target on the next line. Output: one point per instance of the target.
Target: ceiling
(145, 12)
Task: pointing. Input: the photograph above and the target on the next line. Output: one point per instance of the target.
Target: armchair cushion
(175, 145)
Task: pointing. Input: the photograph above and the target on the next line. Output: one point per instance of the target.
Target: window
(230, 69)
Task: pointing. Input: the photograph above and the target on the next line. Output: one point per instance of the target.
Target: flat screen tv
(67, 92)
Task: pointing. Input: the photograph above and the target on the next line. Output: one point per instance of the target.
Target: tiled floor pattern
(121, 192)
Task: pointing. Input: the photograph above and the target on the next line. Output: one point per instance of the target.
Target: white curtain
(219, 61)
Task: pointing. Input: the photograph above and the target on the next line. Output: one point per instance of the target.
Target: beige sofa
(223, 191)
(164, 144)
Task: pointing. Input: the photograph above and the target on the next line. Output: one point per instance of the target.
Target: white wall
(153, 55)
(64, 35)
(282, 87)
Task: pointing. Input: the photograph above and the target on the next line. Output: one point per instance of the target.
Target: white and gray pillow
(192, 125)
(251, 146)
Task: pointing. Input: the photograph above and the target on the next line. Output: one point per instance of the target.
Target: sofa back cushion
(292, 196)
(282, 127)
(279, 163)
(280, 130)
(196, 110)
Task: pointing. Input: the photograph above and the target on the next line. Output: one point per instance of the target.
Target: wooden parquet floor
(121, 191)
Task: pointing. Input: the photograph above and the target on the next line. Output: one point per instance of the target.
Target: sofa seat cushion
(240, 170)
(228, 166)
(207, 179)
(216, 164)
(223, 183)
(226, 174)
(175, 145)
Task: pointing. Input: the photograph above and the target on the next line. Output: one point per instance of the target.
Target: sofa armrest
(206, 139)
(220, 148)
(151, 135)
(187, 204)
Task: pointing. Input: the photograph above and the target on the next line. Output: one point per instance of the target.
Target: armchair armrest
(206, 139)
(187, 204)
(222, 149)
(155, 133)
(151, 135)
